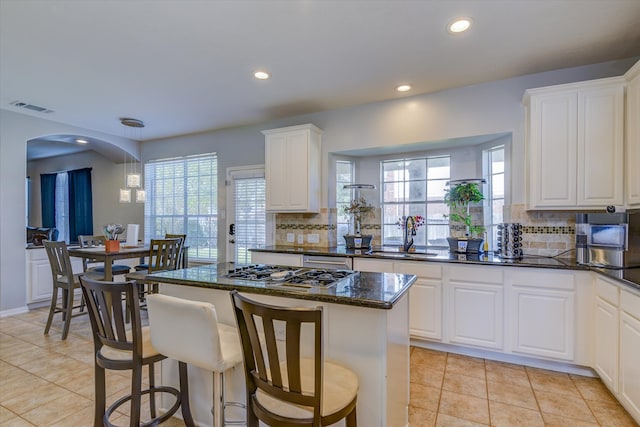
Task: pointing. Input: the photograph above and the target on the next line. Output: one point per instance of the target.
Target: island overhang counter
(366, 328)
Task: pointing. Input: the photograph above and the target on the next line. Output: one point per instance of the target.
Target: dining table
(99, 253)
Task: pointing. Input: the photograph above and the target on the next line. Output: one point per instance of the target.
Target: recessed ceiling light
(82, 141)
(459, 25)
(403, 88)
(261, 75)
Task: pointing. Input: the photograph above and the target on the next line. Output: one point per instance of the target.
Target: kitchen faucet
(406, 242)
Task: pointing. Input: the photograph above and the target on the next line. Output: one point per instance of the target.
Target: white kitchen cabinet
(543, 313)
(39, 280)
(425, 299)
(475, 297)
(575, 135)
(632, 138)
(629, 381)
(292, 169)
(605, 335)
(274, 258)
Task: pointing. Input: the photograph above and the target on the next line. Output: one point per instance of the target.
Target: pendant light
(133, 178)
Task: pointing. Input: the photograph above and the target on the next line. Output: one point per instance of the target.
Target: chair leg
(100, 396)
(52, 309)
(351, 419)
(184, 395)
(67, 313)
(152, 386)
(218, 403)
(136, 395)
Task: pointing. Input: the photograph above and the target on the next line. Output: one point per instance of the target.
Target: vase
(112, 245)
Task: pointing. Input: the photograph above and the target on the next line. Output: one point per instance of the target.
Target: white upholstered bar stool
(189, 332)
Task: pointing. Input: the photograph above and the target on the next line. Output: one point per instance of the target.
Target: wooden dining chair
(65, 282)
(121, 347)
(288, 387)
(163, 255)
(180, 256)
(98, 267)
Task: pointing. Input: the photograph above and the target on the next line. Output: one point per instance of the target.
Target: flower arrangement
(111, 231)
(358, 209)
(416, 222)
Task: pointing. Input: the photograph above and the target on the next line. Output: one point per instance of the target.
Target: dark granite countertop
(371, 290)
(393, 252)
(629, 276)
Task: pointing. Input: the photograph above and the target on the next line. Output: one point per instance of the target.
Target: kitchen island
(366, 328)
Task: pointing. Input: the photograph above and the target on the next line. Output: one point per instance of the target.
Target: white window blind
(182, 198)
(62, 206)
(250, 220)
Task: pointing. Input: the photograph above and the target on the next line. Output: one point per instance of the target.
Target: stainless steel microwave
(610, 240)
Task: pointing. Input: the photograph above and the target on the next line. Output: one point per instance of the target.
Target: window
(250, 216)
(182, 198)
(62, 206)
(415, 187)
(493, 166)
(344, 176)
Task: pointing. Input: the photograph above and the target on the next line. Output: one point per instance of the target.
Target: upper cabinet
(575, 136)
(292, 169)
(632, 142)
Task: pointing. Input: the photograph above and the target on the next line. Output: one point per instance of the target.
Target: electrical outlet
(313, 238)
(291, 237)
(301, 239)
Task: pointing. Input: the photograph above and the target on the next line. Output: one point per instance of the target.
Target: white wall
(106, 178)
(482, 109)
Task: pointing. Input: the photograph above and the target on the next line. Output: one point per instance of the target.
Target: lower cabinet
(605, 333)
(543, 313)
(476, 307)
(39, 280)
(629, 377)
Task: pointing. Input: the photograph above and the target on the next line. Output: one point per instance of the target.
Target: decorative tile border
(537, 229)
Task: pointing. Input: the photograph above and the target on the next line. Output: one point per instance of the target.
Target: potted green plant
(458, 197)
(358, 210)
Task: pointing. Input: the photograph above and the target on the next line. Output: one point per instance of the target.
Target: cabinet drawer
(607, 291)
(476, 274)
(540, 278)
(432, 271)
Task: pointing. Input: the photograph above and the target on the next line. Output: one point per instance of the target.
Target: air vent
(30, 107)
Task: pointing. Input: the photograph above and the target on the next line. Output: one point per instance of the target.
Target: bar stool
(300, 390)
(189, 332)
(120, 348)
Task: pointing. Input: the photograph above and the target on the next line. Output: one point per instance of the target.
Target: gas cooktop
(291, 276)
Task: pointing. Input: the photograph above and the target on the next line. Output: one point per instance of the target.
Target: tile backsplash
(545, 233)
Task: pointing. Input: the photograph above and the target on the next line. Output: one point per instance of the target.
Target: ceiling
(186, 66)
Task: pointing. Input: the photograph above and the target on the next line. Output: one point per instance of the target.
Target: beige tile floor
(48, 382)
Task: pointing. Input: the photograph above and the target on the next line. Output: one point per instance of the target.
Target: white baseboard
(533, 362)
(14, 311)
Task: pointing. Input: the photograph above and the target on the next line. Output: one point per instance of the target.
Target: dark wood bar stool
(291, 388)
(119, 347)
(65, 281)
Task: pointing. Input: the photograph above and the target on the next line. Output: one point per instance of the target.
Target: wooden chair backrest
(163, 254)
(59, 261)
(183, 239)
(108, 314)
(261, 357)
(88, 242)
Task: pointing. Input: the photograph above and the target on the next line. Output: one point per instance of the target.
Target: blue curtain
(80, 203)
(48, 199)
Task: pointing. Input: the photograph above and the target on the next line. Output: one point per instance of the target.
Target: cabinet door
(275, 169)
(425, 309)
(605, 356)
(552, 149)
(41, 283)
(476, 314)
(297, 171)
(543, 322)
(600, 145)
(632, 139)
(630, 362)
